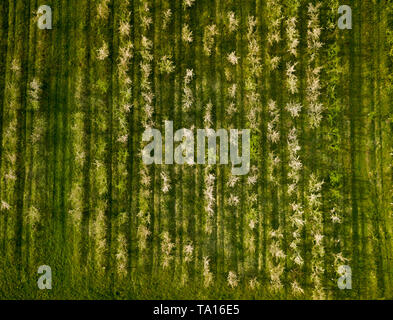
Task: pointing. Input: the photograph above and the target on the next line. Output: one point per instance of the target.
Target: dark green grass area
(161, 286)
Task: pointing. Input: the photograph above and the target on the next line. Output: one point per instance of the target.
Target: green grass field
(76, 196)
